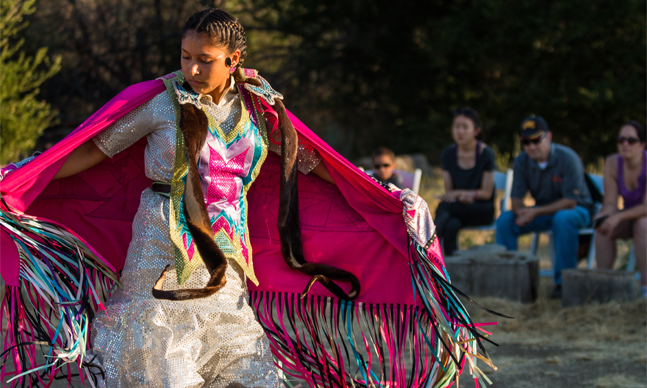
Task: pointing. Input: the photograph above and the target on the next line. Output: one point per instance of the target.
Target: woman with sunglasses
(625, 175)
(468, 174)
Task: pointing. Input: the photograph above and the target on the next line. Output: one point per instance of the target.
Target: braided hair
(223, 30)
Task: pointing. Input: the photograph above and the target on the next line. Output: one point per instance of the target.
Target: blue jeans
(564, 224)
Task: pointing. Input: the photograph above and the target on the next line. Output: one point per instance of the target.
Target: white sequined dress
(146, 342)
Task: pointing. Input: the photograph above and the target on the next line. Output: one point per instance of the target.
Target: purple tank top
(637, 196)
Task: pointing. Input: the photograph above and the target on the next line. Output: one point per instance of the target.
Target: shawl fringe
(332, 342)
(62, 284)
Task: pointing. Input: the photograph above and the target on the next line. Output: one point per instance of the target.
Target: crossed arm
(610, 202)
(525, 215)
(468, 196)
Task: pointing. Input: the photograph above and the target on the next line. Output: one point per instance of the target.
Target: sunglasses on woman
(535, 141)
(628, 140)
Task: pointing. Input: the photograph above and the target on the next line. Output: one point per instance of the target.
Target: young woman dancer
(173, 160)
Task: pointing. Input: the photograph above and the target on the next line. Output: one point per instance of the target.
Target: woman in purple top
(625, 174)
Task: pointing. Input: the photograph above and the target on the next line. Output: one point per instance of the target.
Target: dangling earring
(228, 62)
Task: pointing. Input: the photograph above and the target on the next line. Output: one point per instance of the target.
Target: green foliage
(22, 116)
(365, 73)
(503, 160)
(391, 74)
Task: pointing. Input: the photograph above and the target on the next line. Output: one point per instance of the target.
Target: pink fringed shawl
(356, 225)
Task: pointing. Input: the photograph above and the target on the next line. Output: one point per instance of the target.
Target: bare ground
(547, 346)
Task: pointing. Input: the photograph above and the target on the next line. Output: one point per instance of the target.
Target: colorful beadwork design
(184, 97)
(264, 91)
(228, 164)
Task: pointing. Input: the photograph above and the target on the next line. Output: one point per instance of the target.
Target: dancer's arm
(322, 172)
(84, 157)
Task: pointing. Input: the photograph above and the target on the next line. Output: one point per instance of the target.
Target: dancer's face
(203, 64)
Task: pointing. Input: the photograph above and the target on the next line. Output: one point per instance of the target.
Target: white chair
(502, 182)
(598, 182)
(410, 180)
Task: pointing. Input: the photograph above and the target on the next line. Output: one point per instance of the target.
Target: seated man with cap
(554, 175)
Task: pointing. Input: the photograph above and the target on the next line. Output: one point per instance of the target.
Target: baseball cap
(533, 126)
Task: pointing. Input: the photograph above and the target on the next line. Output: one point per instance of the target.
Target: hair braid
(223, 30)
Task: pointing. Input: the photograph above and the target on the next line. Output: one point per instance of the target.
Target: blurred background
(360, 73)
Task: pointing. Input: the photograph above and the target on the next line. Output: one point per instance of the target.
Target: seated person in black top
(468, 173)
(384, 167)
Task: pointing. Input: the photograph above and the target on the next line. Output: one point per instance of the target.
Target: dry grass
(614, 381)
(582, 325)
(549, 346)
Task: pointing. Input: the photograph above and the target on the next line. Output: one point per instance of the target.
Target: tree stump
(582, 286)
(490, 270)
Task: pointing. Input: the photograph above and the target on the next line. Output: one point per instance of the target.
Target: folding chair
(598, 182)
(410, 180)
(502, 182)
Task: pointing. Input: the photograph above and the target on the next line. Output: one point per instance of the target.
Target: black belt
(162, 188)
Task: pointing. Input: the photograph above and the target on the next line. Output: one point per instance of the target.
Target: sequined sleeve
(307, 156)
(129, 129)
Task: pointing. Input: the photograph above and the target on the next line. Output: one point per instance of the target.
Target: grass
(546, 345)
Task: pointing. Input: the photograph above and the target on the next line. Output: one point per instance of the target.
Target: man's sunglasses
(378, 166)
(534, 141)
(628, 140)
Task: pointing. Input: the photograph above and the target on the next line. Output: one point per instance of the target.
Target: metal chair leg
(590, 260)
(631, 261)
(535, 244)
